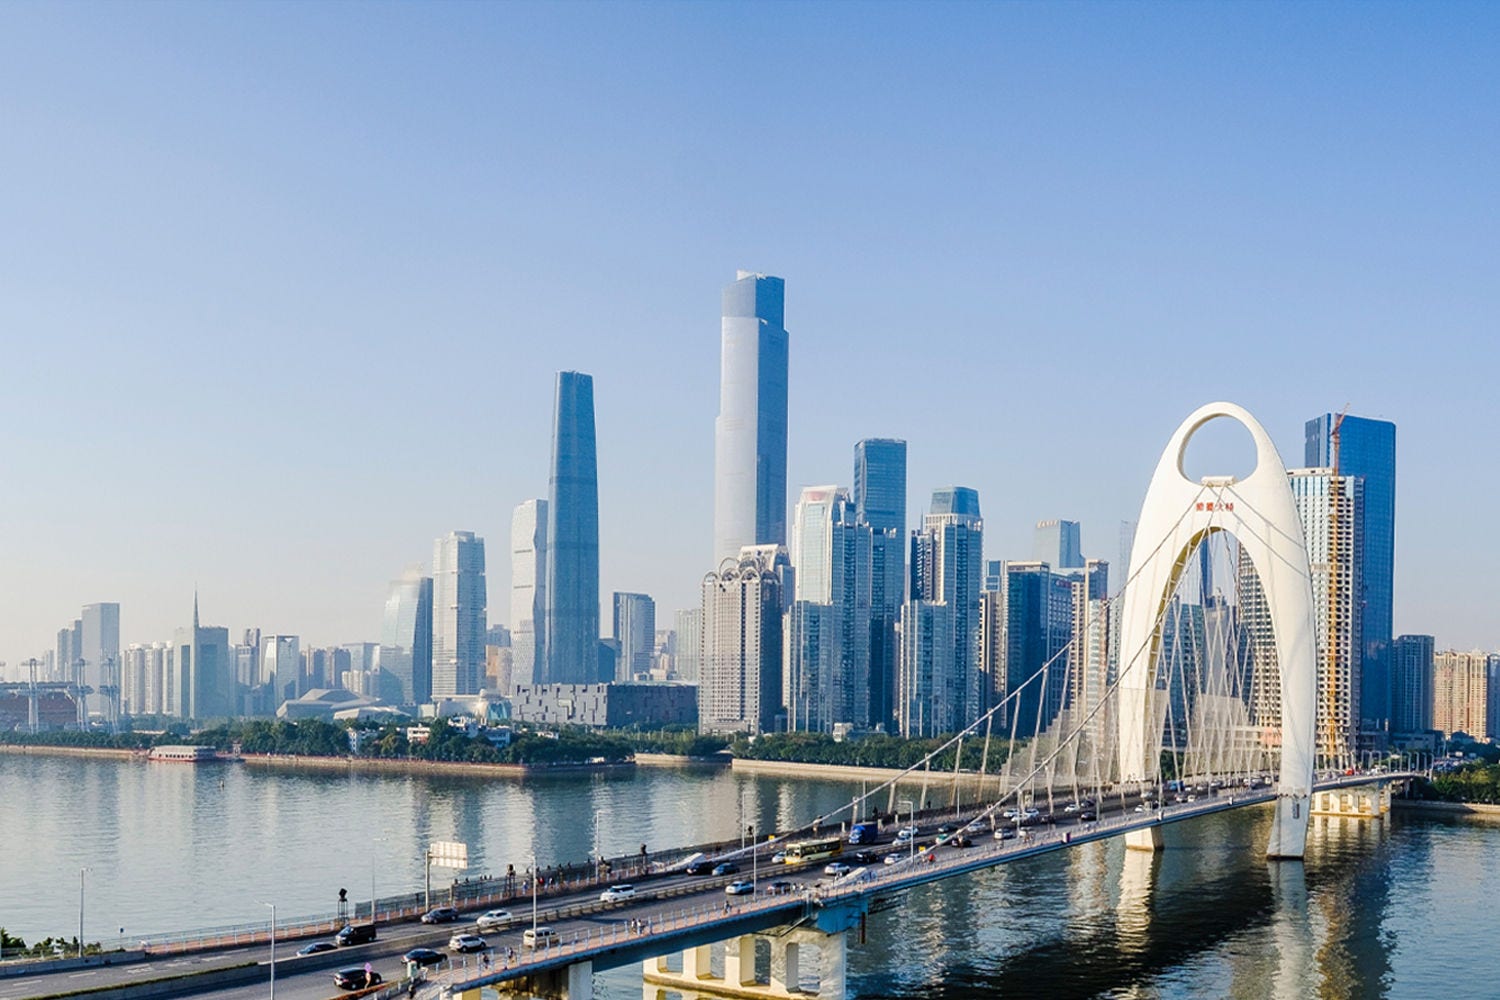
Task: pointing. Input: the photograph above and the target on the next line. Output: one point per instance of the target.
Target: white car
(739, 887)
(617, 894)
(905, 834)
(538, 937)
(463, 943)
(492, 920)
(837, 868)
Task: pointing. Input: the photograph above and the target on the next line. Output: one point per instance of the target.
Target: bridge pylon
(1178, 515)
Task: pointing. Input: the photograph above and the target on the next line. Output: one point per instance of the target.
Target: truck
(863, 833)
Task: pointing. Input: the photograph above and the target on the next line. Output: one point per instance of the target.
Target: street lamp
(273, 948)
(598, 852)
(534, 873)
(81, 872)
(377, 840)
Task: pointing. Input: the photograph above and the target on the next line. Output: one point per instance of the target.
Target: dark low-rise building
(606, 706)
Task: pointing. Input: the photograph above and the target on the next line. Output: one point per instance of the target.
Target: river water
(1377, 909)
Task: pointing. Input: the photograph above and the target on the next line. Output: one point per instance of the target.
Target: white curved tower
(1261, 515)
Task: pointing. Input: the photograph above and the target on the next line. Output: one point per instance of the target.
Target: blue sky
(283, 286)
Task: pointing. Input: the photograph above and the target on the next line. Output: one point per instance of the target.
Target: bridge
(1159, 709)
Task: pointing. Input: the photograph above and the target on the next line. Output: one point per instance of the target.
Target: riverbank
(42, 750)
(407, 765)
(1451, 808)
(849, 772)
(677, 760)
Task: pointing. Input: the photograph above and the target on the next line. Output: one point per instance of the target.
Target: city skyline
(1189, 241)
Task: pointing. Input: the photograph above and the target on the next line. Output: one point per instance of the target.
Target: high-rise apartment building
(1367, 451)
(406, 640)
(1029, 644)
(528, 591)
(751, 430)
(458, 615)
(1411, 683)
(1332, 513)
(687, 650)
(880, 502)
(572, 586)
(739, 676)
(828, 662)
(1462, 692)
(946, 568)
(929, 688)
(1059, 544)
(635, 631)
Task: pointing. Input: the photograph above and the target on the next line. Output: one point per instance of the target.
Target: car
(1005, 833)
(779, 888)
(700, 868)
(315, 947)
(617, 894)
(464, 943)
(897, 856)
(356, 977)
(947, 828)
(905, 834)
(538, 937)
(977, 826)
(960, 841)
(864, 858)
(491, 920)
(837, 868)
(440, 915)
(354, 934)
(727, 868)
(779, 858)
(739, 887)
(424, 956)
(1087, 815)
(1071, 808)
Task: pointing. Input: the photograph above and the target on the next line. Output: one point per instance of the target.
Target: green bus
(812, 850)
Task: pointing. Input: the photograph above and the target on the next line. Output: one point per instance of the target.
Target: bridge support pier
(740, 980)
(573, 982)
(1145, 839)
(1289, 827)
(1370, 801)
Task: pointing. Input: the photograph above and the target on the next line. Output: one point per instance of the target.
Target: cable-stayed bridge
(1217, 677)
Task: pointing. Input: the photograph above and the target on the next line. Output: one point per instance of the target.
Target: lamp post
(534, 873)
(81, 872)
(598, 852)
(273, 949)
(377, 840)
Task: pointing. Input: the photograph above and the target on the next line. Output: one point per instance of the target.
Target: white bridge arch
(1260, 513)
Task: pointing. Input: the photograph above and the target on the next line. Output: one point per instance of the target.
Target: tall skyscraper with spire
(571, 646)
(750, 432)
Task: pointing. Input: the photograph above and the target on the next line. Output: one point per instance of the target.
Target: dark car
(315, 947)
(355, 934)
(699, 868)
(961, 841)
(780, 888)
(424, 956)
(356, 977)
(440, 915)
(863, 858)
(727, 868)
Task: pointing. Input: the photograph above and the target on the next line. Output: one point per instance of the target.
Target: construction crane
(1331, 642)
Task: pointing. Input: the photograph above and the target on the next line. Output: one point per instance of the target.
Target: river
(1377, 909)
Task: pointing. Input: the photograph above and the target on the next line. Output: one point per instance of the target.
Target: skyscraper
(1461, 692)
(204, 673)
(406, 640)
(828, 631)
(281, 669)
(880, 502)
(458, 615)
(635, 631)
(739, 677)
(1411, 683)
(528, 591)
(1367, 449)
(946, 569)
(750, 432)
(101, 650)
(1332, 513)
(1058, 543)
(572, 585)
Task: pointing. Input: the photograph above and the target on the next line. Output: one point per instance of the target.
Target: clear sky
(283, 286)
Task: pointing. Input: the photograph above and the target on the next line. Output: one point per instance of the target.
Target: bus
(812, 850)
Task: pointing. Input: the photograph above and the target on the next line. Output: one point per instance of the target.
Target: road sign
(448, 854)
